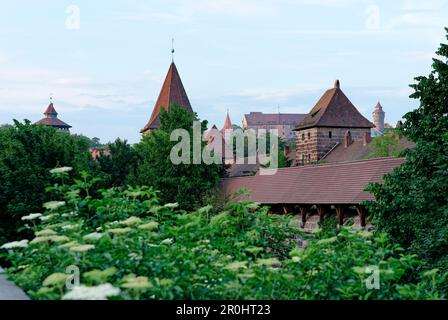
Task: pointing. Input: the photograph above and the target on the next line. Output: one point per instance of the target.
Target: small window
(303, 136)
(309, 157)
(330, 134)
(309, 135)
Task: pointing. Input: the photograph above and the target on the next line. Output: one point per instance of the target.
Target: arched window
(309, 135)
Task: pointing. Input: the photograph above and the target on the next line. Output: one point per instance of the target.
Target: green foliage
(412, 204)
(386, 145)
(186, 184)
(119, 163)
(27, 152)
(128, 241)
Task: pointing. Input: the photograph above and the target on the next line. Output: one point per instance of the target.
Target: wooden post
(303, 212)
(321, 213)
(287, 209)
(340, 214)
(362, 215)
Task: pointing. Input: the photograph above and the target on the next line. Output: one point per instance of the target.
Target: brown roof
(260, 119)
(227, 123)
(50, 110)
(172, 92)
(358, 151)
(334, 109)
(338, 183)
(51, 119)
(53, 122)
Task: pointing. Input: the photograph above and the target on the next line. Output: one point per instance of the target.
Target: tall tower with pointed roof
(227, 129)
(172, 93)
(51, 119)
(378, 117)
(328, 124)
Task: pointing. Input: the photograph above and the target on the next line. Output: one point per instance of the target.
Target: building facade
(333, 120)
(283, 122)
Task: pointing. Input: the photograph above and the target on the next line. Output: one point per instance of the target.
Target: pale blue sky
(245, 55)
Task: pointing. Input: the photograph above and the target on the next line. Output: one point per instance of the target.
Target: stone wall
(314, 143)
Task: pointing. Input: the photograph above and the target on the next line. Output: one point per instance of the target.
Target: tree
(27, 153)
(387, 145)
(120, 161)
(186, 184)
(412, 204)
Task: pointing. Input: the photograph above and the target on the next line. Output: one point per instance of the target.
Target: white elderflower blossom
(45, 233)
(131, 221)
(136, 283)
(171, 205)
(101, 292)
(32, 216)
(61, 170)
(82, 248)
(94, 236)
(167, 241)
(15, 244)
(53, 205)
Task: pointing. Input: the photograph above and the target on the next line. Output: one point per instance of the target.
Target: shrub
(127, 245)
(27, 152)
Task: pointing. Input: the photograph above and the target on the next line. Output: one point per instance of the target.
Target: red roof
(50, 110)
(51, 119)
(334, 109)
(260, 119)
(172, 92)
(339, 183)
(227, 123)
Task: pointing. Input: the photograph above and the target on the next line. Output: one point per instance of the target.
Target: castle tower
(378, 117)
(51, 119)
(333, 120)
(172, 93)
(227, 129)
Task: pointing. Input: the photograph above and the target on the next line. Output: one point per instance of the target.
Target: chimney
(347, 139)
(366, 139)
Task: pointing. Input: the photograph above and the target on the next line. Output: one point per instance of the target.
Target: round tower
(378, 117)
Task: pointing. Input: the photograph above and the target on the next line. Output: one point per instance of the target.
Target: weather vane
(51, 97)
(172, 49)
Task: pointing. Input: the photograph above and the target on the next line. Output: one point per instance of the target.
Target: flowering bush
(128, 246)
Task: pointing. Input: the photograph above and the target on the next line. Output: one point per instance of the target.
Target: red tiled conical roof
(227, 123)
(172, 92)
(50, 110)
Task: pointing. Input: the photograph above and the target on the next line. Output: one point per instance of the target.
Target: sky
(104, 62)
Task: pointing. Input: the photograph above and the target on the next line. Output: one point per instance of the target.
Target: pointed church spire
(227, 123)
(172, 93)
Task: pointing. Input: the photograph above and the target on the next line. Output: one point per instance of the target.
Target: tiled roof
(50, 110)
(334, 109)
(227, 123)
(172, 92)
(260, 119)
(51, 119)
(53, 122)
(339, 183)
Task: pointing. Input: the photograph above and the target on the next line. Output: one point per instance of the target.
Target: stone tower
(378, 117)
(332, 121)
